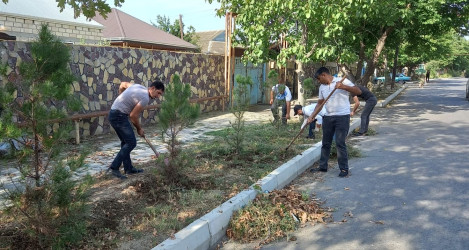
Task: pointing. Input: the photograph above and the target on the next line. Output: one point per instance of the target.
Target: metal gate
(256, 73)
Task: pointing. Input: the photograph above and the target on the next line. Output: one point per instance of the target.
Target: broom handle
(314, 114)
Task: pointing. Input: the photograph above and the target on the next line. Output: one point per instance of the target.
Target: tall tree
(163, 23)
(333, 30)
(307, 26)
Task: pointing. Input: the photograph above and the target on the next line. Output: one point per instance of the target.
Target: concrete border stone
(383, 104)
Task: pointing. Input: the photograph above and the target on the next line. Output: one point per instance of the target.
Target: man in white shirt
(307, 111)
(280, 96)
(337, 118)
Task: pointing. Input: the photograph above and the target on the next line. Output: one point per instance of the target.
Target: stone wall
(99, 71)
(26, 29)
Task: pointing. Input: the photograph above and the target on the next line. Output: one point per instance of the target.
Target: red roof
(120, 26)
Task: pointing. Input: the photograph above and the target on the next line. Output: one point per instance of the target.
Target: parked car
(400, 78)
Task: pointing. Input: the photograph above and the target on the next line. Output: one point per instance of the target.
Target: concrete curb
(208, 230)
(383, 104)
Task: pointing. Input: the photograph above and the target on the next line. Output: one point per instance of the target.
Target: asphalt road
(410, 190)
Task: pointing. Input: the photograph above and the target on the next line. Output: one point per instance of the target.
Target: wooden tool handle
(314, 114)
(151, 146)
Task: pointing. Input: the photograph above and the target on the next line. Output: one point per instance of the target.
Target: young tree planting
(240, 105)
(46, 201)
(176, 113)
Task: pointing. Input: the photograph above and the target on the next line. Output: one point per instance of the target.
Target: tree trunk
(299, 71)
(301, 76)
(361, 59)
(371, 64)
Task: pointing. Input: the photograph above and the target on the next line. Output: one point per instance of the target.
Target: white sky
(197, 13)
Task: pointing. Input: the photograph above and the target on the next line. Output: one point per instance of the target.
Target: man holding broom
(337, 118)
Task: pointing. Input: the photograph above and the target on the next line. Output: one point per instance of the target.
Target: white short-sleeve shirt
(338, 103)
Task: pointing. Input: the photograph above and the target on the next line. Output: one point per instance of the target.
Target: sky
(197, 13)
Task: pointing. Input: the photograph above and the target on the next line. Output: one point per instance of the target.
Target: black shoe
(357, 134)
(312, 137)
(117, 173)
(317, 170)
(133, 171)
(343, 173)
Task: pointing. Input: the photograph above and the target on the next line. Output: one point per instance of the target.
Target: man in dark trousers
(427, 76)
(306, 112)
(337, 118)
(129, 105)
(370, 103)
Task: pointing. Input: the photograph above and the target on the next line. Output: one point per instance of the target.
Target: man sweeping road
(129, 104)
(337, 118)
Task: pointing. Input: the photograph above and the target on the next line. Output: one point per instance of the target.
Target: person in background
(427, 76)
(125, 110)
(280, 96)
(370, 103)
(307, 111)
(337, 118)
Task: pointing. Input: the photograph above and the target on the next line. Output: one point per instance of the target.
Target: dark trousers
(365, 116)
(120, 122)
(274, 108)
(338, 125)
(311, 128)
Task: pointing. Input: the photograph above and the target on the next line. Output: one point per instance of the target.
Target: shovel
(151, 146)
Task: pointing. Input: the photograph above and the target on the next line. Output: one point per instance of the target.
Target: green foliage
(342, 31)
(163, 23)
(47, 202)
(54, 214)
(176, 113)
(309, 87)
(240, 105)
(43, 80)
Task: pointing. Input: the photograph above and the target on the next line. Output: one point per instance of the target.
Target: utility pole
(180, 26)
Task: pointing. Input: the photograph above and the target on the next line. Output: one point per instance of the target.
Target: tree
(163, 23)
(176, 113)
(46, 201)
(306, 26)
(343, 31)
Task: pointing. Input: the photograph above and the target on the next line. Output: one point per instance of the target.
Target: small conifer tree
(240, 105)
(47, 201)
(176, 113)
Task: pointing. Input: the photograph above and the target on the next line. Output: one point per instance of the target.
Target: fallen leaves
(273, 215)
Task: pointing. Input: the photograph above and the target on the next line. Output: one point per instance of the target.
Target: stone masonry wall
(99, 71)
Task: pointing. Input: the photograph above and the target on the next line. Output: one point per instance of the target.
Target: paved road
(411, 188)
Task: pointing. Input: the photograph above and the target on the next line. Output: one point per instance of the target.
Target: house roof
(120, 26)
(212, 42)
(43, 9)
